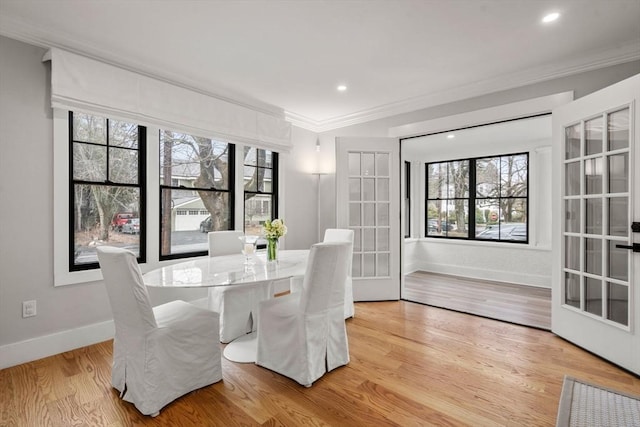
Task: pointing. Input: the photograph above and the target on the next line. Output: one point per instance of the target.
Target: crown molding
(596, 60)
(514, 110)
(304, 122)
(27, 33)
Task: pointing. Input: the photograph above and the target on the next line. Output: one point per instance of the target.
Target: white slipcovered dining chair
(303, 335)
(159, 353)
(337, 235)
(237, 305)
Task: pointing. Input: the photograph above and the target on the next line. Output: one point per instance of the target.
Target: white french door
(595, 290)
(368, 202)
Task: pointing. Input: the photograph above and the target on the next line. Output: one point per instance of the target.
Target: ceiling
(394, 56)
(491, 139)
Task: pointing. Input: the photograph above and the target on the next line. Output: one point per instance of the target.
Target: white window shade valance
(81, 83)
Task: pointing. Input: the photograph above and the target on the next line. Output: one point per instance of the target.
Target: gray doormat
(583, 404)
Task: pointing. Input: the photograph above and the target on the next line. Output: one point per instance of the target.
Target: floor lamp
(319, 174)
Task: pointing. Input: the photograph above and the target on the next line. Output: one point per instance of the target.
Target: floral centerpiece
(273, 230)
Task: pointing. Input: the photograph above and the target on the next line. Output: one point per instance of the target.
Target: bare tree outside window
(495, 210)
(106, 185)
(196, 187)
(196, 182)
(501, 197)
(260, 188)
(447, 199)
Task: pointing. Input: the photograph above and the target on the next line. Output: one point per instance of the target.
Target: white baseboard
(483, 274)
(49, 345)
(36, 348)
(411, 268)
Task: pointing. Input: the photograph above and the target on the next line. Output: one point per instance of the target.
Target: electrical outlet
(28, 308)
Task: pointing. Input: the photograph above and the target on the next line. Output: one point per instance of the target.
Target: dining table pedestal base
(242, 349)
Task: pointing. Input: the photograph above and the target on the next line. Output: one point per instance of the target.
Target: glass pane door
(596, 217)
(369, 209)
(368, 202)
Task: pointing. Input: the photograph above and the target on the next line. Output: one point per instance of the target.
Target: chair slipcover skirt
(177, 357)
(303, 335)
(337, 235)
(161, 353)
(237, 305)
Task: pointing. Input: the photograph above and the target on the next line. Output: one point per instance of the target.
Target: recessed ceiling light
(451, 136)
(341, 88)
(550, 17)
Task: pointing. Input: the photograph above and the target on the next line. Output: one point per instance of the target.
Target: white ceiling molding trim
(27, 33)
(514, 110)
(303, 122)
(22, 30)
(78, 82)
(599, 59)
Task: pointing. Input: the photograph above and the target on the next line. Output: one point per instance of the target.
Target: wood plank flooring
(523, 305)
(411, 365)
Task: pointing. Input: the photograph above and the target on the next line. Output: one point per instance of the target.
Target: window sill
(489, 244)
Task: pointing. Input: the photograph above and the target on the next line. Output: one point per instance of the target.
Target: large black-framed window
(107, 187)
(483, 198)
(196, 192)
(407, 199)
(260, 177)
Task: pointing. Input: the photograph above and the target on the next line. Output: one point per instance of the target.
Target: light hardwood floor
(411, 365)
(523, 305)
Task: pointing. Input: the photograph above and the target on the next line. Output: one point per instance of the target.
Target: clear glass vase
(248, 248)
(272, 249)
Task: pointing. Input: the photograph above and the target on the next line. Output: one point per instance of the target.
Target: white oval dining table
(230, 270)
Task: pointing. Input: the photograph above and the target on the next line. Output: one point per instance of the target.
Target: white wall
(529, 265)
(26, 229)
(581, 84)
(299, 188)
(77, 315)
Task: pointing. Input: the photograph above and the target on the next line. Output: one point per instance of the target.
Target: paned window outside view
(259, 178)
(196, 182)
(196, 189)
(196, 177)
(496, 188)
(106, 187)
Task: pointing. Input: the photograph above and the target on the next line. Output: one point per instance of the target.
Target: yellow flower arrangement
(274, 229)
